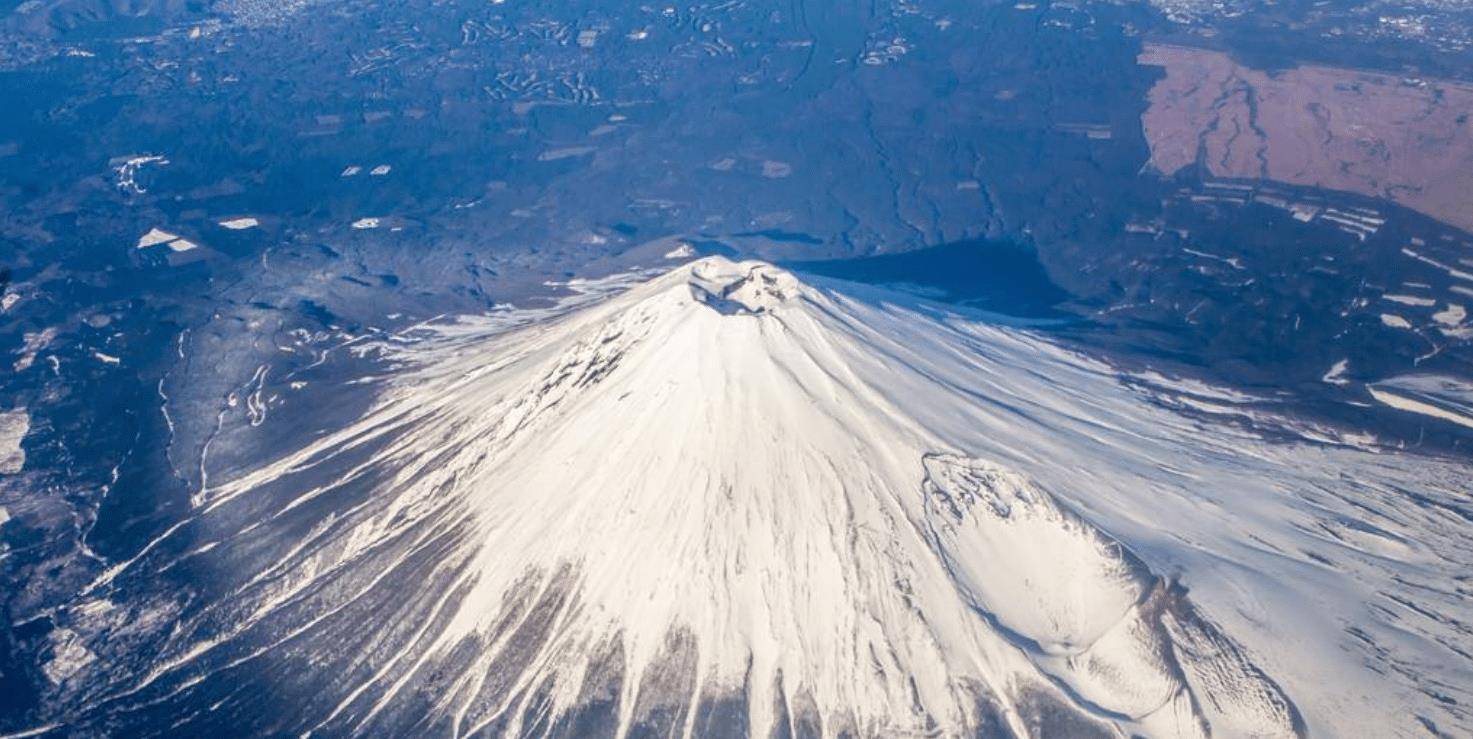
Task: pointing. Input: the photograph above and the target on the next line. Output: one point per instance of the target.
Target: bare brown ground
(1342, 129)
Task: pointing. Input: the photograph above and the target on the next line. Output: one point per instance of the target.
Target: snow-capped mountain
(726, 502)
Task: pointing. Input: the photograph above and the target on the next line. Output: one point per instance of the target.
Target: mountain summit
(726, 502)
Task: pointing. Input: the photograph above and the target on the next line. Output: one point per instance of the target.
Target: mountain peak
(733, 288)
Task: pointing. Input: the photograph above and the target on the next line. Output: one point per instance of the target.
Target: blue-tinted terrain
(216, 214)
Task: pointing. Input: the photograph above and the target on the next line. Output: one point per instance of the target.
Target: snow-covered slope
(725, 502)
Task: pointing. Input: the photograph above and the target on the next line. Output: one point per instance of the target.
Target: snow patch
(1336, 374)
(126, 169)
(1444, 398)
(154, 237)
(776, 170)
(1391, 320)
(567, 152)
(32, 342)
(14, 425)
(1451, 316)
(1411, 300)
(68, 656)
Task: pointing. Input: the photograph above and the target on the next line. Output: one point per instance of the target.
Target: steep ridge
(729, 503)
